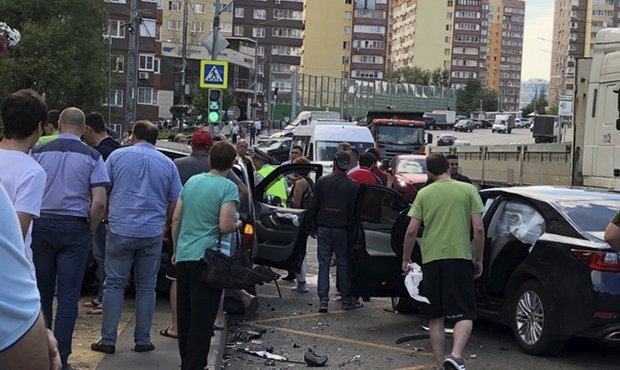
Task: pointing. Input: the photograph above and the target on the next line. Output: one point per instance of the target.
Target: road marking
(342, 340)
(293, 317)
(417, 367)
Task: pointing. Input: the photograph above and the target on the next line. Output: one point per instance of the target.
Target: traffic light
(215, 105)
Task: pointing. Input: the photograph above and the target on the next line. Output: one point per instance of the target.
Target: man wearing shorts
(448, 209)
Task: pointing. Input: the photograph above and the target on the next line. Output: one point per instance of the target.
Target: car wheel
(404, 305)
(492, 131)
(532, 322)
(509, 131)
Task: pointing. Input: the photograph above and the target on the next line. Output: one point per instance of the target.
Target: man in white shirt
(23, 114)
(234, 131)
(258, 127)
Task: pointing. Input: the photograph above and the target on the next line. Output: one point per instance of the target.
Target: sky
(537, 52)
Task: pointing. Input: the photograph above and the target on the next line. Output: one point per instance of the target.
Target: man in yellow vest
(277, 190)
(50, 128)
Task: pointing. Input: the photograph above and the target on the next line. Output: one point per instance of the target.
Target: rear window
(590, 216)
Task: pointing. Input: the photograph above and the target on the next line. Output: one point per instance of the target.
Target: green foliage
(468, 99)
(538, 104)
(62, 54)
(419, 76)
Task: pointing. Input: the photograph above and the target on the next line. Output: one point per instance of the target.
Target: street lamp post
(109, 66)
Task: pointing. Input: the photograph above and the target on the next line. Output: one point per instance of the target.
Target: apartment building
(133, 93)
(277, 27)
(488, 45)
(323, 33)
(369, 39)
(417, 33)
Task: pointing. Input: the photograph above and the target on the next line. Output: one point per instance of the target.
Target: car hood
(414, 178)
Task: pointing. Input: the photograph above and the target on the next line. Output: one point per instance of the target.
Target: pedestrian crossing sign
(213, 74)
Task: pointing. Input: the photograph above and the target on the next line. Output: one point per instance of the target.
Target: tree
(411, 75)
(538, 104)
(440, 77)
(61, 55)
(469, 99)
(200, 100)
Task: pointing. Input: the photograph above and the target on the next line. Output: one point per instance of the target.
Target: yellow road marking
(341, 339)
(418, 367)
(293, 317)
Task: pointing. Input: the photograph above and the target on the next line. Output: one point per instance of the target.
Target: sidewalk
(165, 355)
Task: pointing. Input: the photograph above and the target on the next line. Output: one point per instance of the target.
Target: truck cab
(398, 136)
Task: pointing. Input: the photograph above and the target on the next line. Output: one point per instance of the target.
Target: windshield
(591, 216)
(411, 166)
(270, 144)
(400, 135)
(327, 149)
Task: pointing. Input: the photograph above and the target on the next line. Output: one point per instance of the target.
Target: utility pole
(132, 63)
(294, 89)
(255, 97)
(216, 28)
(183, 63)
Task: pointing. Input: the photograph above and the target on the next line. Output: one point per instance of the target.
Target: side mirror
(429, 138)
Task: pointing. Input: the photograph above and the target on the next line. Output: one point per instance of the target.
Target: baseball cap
(202, 137)
(343, 160)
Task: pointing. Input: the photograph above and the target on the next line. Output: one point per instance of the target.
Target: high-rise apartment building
(277, 27)
(488, 45)
(418, 31)
(133, 94)
(531, 89)
(575, 25)
(369, 39)
(327, 39)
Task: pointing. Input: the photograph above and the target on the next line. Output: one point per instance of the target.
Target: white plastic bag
(412, 282)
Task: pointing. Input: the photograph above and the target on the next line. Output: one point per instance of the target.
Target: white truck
(592, 159)
(304, 118)
(444, 119)
(503, 123)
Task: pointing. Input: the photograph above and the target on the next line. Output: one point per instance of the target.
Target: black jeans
(197, 306)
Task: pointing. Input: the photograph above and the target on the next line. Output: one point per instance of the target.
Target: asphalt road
(293, 324)
(484, 136)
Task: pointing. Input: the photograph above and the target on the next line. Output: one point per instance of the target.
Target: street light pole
(183, 63)
(109, 65)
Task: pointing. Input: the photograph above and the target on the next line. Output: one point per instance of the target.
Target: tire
(492, 131)
(532, 321)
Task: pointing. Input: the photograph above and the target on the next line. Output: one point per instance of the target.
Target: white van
(320, 138)
(306, 117)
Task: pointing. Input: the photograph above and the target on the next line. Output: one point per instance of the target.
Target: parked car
(281, 135)
(278, 149)
(464, 125)
(548, 274)
(409, 172)
(446, 140)
(268, 228)
(523, 122)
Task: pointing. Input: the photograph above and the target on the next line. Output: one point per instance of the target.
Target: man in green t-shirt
(612, 233)
(448, 209)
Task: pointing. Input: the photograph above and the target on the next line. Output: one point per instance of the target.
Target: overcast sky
(537, 52)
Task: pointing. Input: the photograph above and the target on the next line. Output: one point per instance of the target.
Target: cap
(202, 137)
(257, 153)
(343, 160)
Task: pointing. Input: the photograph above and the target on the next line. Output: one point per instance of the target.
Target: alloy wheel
(530, 317)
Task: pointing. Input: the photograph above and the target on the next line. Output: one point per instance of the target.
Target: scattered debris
(314, 360)
(270, 363)
(247, 335)
(355, 358)
(254, 341)
(268, 355)
(295, 345)
(269, 349)
(446, 330)
(473, 356)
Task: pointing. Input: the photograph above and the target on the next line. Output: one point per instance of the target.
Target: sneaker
(289, 277)
(105, 348)
(351, 304)
(144, 347)
(453, 363)
(323, 306)
(301, 288)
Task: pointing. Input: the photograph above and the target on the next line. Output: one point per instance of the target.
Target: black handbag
(226, 272)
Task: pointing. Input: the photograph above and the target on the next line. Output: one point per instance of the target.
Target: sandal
(92, 303)
(165, 333)
(95, 311)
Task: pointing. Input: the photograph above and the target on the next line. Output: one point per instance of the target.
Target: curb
(218, 347)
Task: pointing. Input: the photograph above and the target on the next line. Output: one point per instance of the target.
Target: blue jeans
(60, 251)
(121, 253)
(331, 241)
(99, 255)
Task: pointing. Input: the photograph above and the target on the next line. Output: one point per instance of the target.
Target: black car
(547, 272)
(269, 229)
(278, 149)
(446, 140)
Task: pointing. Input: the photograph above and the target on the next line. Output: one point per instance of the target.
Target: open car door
(376, 267)
(276, 225)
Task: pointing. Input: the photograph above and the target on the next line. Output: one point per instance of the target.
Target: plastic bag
(412, 282)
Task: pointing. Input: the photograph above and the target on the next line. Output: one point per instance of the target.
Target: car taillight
(598, 260)
(247, 238)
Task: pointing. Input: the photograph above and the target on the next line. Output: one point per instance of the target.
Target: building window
(147, 95)
(446, 51)
(116, 1)
(347, 1)
(347, 30)
(293, 33)
(174, 6)
(238, 31)
(285, 50)
(147, 62)
(368, 59)
(362, 73)
(117, 29)
(281, 68)
(287, 14)
(258, 32)
(260, 50)
(119, 64)
(260, 14)
(148, 28)
(346, 45)
(226, 27)
(239, 12)
(116, 98)
(368, 44)
(198, 27)
(174, 24)
(358, 28)
(347, 15)
(199, 8)
(448, 27)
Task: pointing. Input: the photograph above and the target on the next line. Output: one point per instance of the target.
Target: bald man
(73, 204)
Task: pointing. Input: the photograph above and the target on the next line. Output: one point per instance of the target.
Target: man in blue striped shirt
(73, 204)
